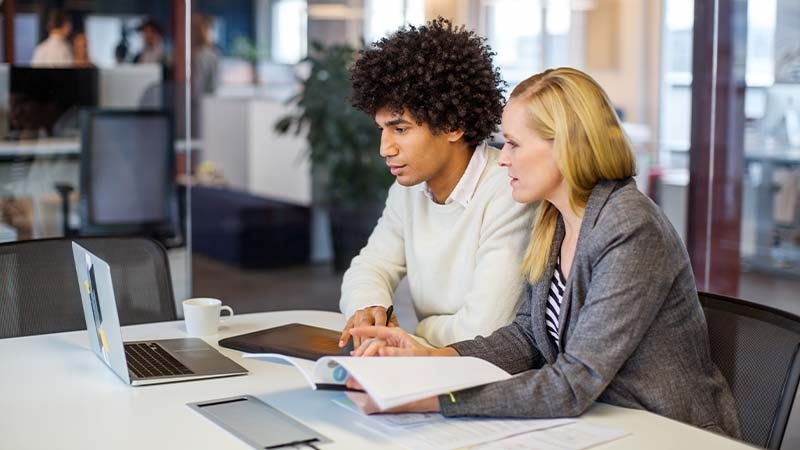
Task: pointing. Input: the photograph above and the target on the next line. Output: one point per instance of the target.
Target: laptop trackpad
(257, 423)
(197, 355)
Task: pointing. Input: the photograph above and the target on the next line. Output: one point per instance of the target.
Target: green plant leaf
(343, 143)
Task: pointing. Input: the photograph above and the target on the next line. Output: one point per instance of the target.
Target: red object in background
(180, 163)
(654, 183)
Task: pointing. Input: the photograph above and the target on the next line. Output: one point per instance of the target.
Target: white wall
(239, 138)
(632, 84)
(225, 137)
(278, 166)
(123, 86)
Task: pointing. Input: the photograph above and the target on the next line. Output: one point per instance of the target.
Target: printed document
(435, 432)
(575, 436)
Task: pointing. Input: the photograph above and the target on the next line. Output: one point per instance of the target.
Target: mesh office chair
(39, 292)
(756, 348)
(127, 177)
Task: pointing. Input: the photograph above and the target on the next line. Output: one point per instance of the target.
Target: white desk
(40, 148)
(54, 393)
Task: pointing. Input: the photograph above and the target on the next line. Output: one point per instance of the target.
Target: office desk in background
(29, 149)
(30, 169)
(55, 393)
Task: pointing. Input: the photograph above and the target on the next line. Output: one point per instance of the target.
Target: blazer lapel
(565, 299)
(597, 199)
(539, 297)
(566, 302)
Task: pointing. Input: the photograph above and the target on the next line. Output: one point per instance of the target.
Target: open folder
(394, 381)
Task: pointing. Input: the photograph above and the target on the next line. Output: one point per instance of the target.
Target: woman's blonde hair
(569, 108)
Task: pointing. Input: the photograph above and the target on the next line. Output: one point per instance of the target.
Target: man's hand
(374, 315)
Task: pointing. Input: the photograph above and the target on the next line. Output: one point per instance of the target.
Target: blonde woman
(612, 313)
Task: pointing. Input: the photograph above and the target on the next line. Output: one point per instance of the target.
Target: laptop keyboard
(148, 360)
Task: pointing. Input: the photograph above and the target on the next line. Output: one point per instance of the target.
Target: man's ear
(454, 136)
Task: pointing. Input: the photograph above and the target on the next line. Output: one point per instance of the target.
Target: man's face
(413, 153)
(150, 36)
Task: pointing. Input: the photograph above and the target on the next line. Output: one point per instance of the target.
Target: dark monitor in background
(128, 175)
(44, 99)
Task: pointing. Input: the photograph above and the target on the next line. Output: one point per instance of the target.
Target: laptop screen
(100, 310)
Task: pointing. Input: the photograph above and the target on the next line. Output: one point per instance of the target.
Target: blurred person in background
(205, 56)
(80, 50)
(154, 51)
(153, 38)
(56, 50)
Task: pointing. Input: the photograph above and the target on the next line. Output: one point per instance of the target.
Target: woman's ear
(454, 136)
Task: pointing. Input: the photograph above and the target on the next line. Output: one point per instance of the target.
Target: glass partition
(92, 132)
(770, 216)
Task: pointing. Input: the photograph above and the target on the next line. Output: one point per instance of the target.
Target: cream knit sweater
(463, 264)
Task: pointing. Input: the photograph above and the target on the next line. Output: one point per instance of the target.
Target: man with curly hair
(450, 223)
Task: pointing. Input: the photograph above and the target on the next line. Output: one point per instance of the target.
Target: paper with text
(434, 431)
(575, 436)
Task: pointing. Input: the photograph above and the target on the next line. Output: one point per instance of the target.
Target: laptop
(141, 362)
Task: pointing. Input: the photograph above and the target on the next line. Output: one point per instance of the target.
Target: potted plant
(351, 179)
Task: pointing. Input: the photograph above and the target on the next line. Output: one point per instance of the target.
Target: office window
(678, 28)
(677, 59)
(527, 35)
(289, 31)
(382, 17)
(104, 34)
(761, 43)
(26, 36)
(676, 91)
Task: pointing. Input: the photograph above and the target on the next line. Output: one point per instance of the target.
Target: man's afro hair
(439, 73)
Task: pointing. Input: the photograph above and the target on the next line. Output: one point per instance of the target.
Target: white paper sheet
(434, 431)
(574, 436)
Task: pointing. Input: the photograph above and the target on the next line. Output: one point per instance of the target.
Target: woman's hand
(374, 315)
(369, 347)
(393, 341)
(368, 406)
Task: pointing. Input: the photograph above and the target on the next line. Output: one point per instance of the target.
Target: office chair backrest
(39, 292)
(128, 174)
(756, 348)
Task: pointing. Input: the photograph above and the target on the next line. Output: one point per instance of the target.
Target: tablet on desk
(294, 339)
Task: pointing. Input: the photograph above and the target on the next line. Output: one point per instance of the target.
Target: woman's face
(528, 157)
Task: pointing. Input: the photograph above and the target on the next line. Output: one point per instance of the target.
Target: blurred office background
(183, 148)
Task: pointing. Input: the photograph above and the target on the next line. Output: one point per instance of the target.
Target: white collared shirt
(152, 55)
(53, 51)
(465, 188)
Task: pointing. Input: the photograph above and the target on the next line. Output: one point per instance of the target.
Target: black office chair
(39, 292)
(757, 349)
(127, 182)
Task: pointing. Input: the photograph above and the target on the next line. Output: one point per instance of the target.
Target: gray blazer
(632, 331)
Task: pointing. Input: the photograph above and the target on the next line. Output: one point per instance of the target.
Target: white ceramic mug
(203, 316)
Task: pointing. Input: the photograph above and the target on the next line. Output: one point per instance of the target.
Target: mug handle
(223, 319)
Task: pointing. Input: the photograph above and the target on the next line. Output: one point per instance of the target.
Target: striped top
(554, 301)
